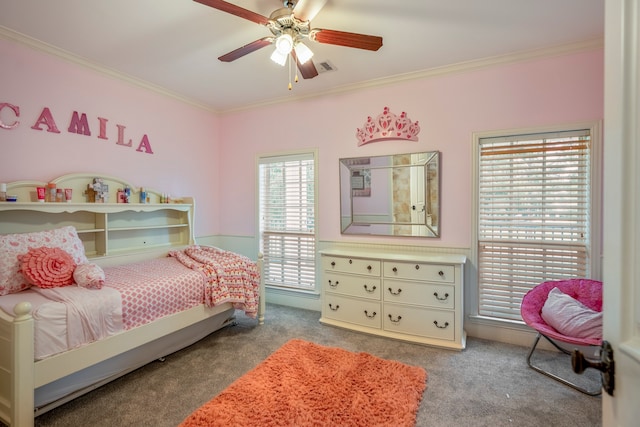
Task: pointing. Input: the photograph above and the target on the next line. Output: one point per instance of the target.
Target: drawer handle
(370, 316)
(369, 267)
(350, 261)
(446, 295)
(372, 290)
(334, 285)
(395, 293)
(396, 320)
(333, 263)
(394, 269)
(435, 322)
(441, 273)
(334, 309)
(417, 267)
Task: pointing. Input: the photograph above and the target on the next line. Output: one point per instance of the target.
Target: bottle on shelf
(51, 197)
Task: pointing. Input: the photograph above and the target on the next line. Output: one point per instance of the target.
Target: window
(287, 220)
(534, 215)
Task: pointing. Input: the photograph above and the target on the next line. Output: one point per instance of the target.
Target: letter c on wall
(15, 109)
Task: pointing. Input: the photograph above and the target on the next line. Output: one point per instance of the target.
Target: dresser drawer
(424, 294)
(422, 322)
(419, 271)
(351, 265)
(360, 312)
(357, 286)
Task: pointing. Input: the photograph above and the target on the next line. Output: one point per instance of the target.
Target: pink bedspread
(153, 289)
(230, 277)
(148, 291)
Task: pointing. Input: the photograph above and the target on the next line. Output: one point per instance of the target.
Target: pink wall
(449, 108)
(214, 158)
(182, 137)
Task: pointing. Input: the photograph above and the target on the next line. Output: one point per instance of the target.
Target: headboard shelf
(77, 182)
(94, 207)
(150, 227)
(105, 228)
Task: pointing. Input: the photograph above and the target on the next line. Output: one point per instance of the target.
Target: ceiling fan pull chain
(289, 59)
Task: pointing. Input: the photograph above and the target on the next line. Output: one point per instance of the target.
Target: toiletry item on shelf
(120, 198)
(68, 194)
(3, 192)
(143, 195)
(52, 192)
(59, 195)
(127, 194)
(42, 194)
(12, 198)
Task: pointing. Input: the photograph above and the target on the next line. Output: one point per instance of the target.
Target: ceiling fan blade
(308, 69)
(246, 49)
(235, 10)
(306, 10)
(343, 38)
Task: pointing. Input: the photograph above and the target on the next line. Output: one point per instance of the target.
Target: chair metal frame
(538, 294)
(564, 381)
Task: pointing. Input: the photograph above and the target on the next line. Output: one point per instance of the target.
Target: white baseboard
(294, 299)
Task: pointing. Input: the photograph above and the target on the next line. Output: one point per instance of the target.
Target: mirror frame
(358, 179)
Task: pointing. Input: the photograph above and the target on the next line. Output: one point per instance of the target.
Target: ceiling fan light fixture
(303, 53)
(279, 58)
(284, 43)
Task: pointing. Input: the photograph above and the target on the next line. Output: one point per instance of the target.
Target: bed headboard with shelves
(109, 231)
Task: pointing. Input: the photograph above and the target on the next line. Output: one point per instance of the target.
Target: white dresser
(411, 297)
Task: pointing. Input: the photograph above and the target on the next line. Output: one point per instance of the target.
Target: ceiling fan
(289, 26)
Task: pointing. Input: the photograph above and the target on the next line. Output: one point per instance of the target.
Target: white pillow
(89, 275)
(570, 317)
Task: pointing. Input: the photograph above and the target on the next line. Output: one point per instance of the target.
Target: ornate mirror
(396, 195)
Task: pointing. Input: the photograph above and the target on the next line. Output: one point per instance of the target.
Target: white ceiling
(174, 44)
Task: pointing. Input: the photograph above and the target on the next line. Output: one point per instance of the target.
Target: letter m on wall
(79, 124)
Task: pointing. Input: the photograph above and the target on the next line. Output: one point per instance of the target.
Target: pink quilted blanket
(230, 277)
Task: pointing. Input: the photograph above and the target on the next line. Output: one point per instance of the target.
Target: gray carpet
(488, 384)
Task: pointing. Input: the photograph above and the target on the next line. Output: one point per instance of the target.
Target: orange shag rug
(306, 384)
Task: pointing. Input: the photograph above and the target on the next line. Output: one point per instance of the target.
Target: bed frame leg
(22, 370)
(262, 306)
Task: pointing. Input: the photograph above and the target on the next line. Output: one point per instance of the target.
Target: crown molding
(36, 44)
(521, 56)
(560, 50)
(515, 57)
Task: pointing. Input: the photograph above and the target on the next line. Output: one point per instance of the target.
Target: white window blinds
(287, 220)
(533, 215)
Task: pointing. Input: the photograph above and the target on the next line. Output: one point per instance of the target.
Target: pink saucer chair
(586, 291)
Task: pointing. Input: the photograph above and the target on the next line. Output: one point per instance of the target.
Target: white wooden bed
(112, 234)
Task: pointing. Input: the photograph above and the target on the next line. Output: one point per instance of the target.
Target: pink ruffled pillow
(13, 245)
(89, 275)
(47, 267)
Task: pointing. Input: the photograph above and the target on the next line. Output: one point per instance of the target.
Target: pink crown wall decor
(388, 126)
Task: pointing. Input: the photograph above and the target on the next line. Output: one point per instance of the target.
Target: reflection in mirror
(395, 195)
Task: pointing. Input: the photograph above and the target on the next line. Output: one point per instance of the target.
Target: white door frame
(621, 209)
